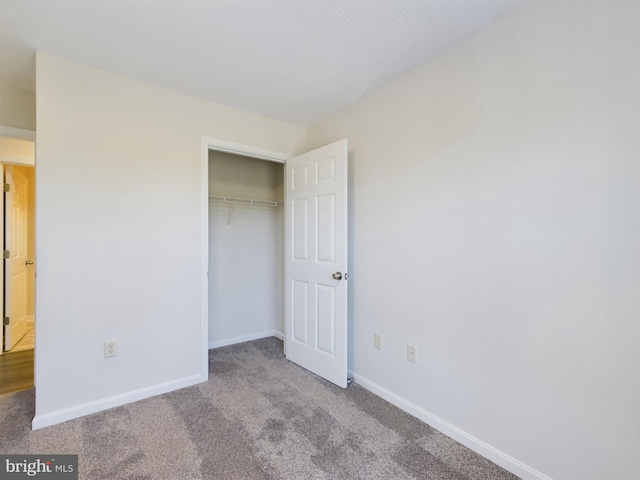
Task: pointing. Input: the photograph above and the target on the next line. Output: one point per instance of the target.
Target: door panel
(315, 249)
(16, 241)
(300, 312)
(326, 319)
(300, 228)
(326, 237)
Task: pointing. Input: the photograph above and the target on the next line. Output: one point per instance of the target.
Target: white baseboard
(243, 338)
(496, 456)
(48, 419)
(278, 335)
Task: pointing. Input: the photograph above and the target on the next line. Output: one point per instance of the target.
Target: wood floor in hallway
(16, 371)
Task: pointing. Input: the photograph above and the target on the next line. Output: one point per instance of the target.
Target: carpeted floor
(258, 417)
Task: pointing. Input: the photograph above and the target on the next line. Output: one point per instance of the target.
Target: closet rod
(243, 201)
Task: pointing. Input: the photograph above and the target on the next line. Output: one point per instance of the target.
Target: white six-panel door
(316, 261)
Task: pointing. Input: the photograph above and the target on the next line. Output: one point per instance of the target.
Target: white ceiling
(292, 60)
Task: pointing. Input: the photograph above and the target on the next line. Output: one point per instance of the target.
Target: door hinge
(6, 187)
(5, 321)
(6, 254)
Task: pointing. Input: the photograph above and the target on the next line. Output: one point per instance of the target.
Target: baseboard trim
(278, 335)
(59, 416)
(243, 338)
(496, 456)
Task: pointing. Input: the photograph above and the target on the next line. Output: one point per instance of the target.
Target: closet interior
(246, 249)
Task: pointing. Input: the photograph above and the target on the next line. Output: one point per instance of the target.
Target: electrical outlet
(110, 348)
(411, 353)
(377, 340)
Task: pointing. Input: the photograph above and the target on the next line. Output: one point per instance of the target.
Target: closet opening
(274, 270)
(245, 248)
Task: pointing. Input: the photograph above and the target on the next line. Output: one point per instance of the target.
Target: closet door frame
(207, 144)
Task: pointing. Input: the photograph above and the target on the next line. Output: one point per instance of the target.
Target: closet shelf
(243, 201)
(233, 201)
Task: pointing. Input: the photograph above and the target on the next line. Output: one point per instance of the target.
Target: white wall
(17, 107)
(245, 253)
(495, 225)
(118, 222)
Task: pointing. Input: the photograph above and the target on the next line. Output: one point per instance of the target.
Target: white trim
(21, 133)
(278, 335)
(59, 416)
(245, 150)
(17, 161)
(496, 456)
(242, 339)
(204, 256)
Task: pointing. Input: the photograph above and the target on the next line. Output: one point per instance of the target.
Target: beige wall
(495, 225)
(244, 177)
(120, 228)
(17, 108)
